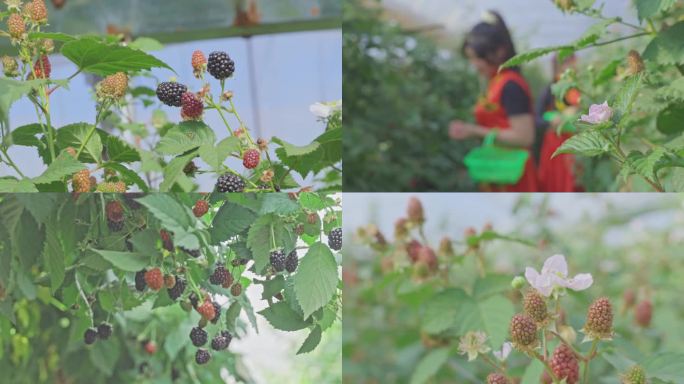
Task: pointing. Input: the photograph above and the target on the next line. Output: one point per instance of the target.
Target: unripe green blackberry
(496, 378)
(202, 356)
(535, 306)
(634, 375)
(198, 336)
(564, 364)
(599, 323)
(523, 331)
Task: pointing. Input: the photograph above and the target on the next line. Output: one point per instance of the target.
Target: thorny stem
(49, 92)
(11, 163)
(591, 355)
(80, 290)
(100, 109)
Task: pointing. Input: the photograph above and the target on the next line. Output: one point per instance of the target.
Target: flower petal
(580, 282)
(531, 275)
(555, 264)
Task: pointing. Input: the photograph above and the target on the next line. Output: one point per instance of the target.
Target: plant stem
(617, 40)
(100, 108)
(80, 290)
(11, 163)
(49, 92)
(496, 366)
(546, 365)
(592, 352)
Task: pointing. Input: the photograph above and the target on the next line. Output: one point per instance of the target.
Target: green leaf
(429, 365)
(670, 119)
(311, 341)
(324, 151)
(666, 366)
(215, 156)
(260, 240)
(230, 220)
(16, 186)
(491, 284)
(63, 166)
(440, 311)
(593, 33)
(528, 56)
(105, 59)
(105, 356)
(646, 165)
(649, 8)
(128, 176)
(232, 314)
(146, 44)
(283, 318)
(587, 143)
(53, 255)
(117, 150)
(63, 37)
(316, 280)
(625, 97)
(272, 287)
(491, 316)
(667, 47)
(173, 216)
(312, 201)
(278, 203)
(173, 172)
(26, 136)
(74, 135)
(125, 261)
(184, 137)
(40, 205)
(533, 372)
(145, 242)
(13, 90)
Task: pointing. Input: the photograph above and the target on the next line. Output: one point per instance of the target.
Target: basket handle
(489, 138)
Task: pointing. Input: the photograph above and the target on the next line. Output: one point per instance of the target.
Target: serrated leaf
(625, 97)
(278, 203)
(104, 356)
(491, 316)
(440, 310)
(146, 44)
(666, 366)
(173, 172)
(646, 165)
(74, 135)
(63, 166)
(17, 186)
(117, 150)
(533, 372)
(53, 255)
(214, 156)
(272, 287)
(311, 341)
(230, 220)
(649, 8)
(316, 280)
(105, 59)
(25, 136)
(184, 137)
(667, 47)
(429, 365)
(528, 56)
(670, 119)
(491, 284)
(173, 216)
(587, 143)
(327, 153)
(261, 241)
(125, 261)
(13, 90)
(283, 318)
(294, 150)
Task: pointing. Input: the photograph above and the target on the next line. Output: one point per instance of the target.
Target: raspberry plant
(480, 309)
(162, 153)
(641, 76)
(165, 290)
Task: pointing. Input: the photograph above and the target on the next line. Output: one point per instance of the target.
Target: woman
(507, 105)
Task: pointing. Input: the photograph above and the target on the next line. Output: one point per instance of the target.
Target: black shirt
(514, 99)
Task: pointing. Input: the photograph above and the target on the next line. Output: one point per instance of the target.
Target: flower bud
(518, 282)
(400, 229)
(427, 257)
(635, 62)
(446, 250)
(412, 249)
(10, 66)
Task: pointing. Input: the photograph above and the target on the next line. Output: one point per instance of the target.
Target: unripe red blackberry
(643, 313)
(42, 68)
(564, 364)
(412, 249)
(202, 356)
(201, 207)
(427, 257)
(535, 306)
(199, 63)
(599, 323)
(496, 378)
(523, 331)
(634, 375)
(192, 106)
(140, 283)
(167, 242)
(251, 158)
(154, 279)
(198, 336)
(207, 310)
(90, 336)
(415, 210)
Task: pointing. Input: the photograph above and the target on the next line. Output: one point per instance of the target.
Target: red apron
(556, 174)
(489, 113)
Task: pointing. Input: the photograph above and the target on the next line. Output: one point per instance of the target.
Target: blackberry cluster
(198, 336)
(229, 182)
(219, 276)
(171, 93)
(140, 280)
(202, 356)
(177, 290)
(335, 239)
(92, 334)
(292, 261)
(220, 65)
(278, 260)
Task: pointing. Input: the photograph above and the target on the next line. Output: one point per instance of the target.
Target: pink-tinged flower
(598, 113)
(473, 343)
(554, 274)
(504, 352)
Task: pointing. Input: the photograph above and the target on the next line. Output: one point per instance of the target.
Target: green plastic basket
(496, 165)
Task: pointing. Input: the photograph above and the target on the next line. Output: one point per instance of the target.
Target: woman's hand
(460, 130)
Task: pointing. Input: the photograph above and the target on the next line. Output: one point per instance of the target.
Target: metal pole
(254, 88)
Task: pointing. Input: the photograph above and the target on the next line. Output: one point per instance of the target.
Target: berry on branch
(140, 283)
(335, 239)
(201, 207)
(154, 279)
(104, 330)
(192, 106)
(251, 158)
(599, 323)
(202, 356)
(523, 331)
(220, 65)
(277, 258)
(292, 261)
(564, 364)
(90, 336)
(229, 182)
(535, 306)
(198, 336)
(42, 68)
(16, 26)
(171, 93)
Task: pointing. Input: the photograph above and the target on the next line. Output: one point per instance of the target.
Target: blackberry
(129, 199)
(217, 310)
(523, 331)
(292, 261)
(227, 335)
(496, 378)
(220, 65)
(115, 226)
(192, 106)
(167, 242)
(104, 330)
(229, 182)
(198, 336)
(202, 356)
(90, 336)
(177, 290)
(192, 252)
(335, 239)
(278, 260)
(238, 262)
(194, 300)
(599, 323)
(190, 169)
(170, 93)
(219, 343)
(140, 283)
(236, 289)
(219, 276)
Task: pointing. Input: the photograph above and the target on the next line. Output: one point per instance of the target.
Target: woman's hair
(488, 36)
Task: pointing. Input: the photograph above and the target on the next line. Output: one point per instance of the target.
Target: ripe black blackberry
(140, 280)
(219, 343)
(192, 252)
(202, 356)
(335, 239)
(292, 261)
(115, 226)
(238, 262)
(170, 93)
(217, 311)
(220, 65)
(219, 276)
(90, 336)
(229, 182)
(227, 335)
(198, 336)
(278, 260)
(104, 330)
(194, 300)
(177, 290)
(129, 199)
